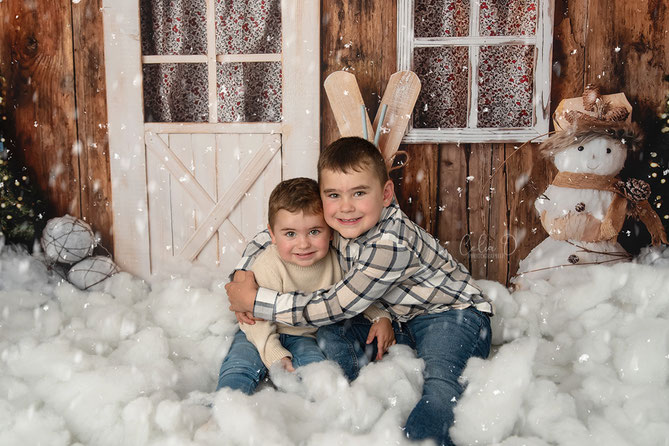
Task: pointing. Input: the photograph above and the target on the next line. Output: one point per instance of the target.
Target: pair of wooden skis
(390, 122)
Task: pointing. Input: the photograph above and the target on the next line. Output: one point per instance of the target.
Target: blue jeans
(445, 341)
(242, 368)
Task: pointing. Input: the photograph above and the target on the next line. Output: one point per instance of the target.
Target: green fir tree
(21, 209)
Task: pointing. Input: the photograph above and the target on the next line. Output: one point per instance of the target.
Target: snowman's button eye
(608, 150)
(580, 148)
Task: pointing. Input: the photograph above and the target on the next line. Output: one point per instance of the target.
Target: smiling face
(301, 239)
(353, 200)
(600, 156)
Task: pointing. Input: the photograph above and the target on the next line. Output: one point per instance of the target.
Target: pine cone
(617, 114)
(591, 95)
(636, 190)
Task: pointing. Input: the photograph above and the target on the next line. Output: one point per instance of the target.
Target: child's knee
(245, 368)
(330, 336)
(308, 358)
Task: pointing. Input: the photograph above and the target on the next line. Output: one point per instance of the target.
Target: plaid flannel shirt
(396, 263)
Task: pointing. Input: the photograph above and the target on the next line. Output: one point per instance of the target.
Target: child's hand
(287, 364)
(246, 318)
(242, 291)
(382, 330)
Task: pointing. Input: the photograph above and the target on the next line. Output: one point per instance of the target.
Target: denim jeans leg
(305, 350)
(445, 341)
(242, 368)
(345, 343)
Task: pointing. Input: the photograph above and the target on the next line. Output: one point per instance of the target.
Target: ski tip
(338, 75)
(406, 77)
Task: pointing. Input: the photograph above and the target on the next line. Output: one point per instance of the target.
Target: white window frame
(543, 43)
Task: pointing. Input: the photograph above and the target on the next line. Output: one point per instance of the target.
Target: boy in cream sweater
(299, 258)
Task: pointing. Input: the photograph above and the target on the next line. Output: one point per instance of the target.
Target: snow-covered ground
(581, 359)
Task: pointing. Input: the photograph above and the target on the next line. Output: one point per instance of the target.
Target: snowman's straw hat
(581, 132)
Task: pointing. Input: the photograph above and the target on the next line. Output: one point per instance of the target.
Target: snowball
(67, 239)
(91, 272)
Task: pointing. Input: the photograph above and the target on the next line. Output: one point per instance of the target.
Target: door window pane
(173, 27)
(175, 92)
(249, 92)
(248, 27)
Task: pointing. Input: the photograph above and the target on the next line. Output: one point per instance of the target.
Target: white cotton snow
(601, 368)
(489, 408)
(319, 406)
(580, 357)
(137, 364)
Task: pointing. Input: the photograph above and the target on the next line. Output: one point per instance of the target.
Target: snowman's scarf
(620, 205)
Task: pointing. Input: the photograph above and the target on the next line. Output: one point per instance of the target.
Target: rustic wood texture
(626, 49)
(419, 179)
(568, 50)
(37, 60)
(528, 175)
(357, 36)
(452, 223)
(91, 103)
(487, 211)
(52, 56)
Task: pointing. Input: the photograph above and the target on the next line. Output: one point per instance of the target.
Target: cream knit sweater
(275, 274)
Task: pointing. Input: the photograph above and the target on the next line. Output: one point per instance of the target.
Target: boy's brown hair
(353, 153)
(296, 194)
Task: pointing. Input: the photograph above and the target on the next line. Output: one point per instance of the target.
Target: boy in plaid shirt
(389, 260)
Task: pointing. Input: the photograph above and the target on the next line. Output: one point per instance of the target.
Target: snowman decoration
(585, 206)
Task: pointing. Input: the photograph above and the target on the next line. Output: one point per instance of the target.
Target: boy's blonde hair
(296, 194)
(353, 153)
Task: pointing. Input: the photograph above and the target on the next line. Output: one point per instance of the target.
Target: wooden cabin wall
(51, 53)
(478, 205)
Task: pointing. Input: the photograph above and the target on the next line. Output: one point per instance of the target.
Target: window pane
(249, 92)
(444, 74)
(441, 18)
(508, 18)
(175, 92)
(505, 86)
(173, 27)
(248, 27)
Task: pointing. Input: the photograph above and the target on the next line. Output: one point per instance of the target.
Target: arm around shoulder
(381, 267)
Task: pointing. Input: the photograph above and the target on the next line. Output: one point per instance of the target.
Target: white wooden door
(199, 191)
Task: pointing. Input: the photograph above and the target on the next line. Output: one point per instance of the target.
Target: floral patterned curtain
(178, 92)
(505, 73)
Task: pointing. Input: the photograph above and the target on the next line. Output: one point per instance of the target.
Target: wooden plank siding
(91, 118)
(52, 56)
(37, 61)
(479, 205)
